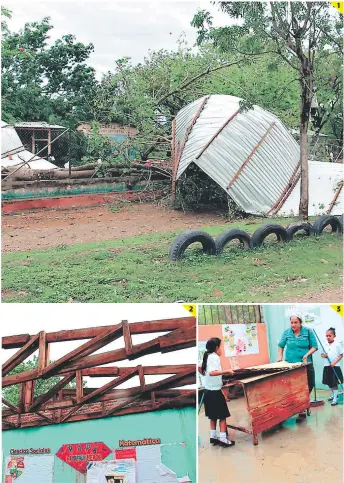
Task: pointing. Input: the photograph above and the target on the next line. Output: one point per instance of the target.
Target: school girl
(334, 353)
(214, 401)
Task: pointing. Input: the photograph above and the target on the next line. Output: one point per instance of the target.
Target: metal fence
(229, 314)
(60, 146)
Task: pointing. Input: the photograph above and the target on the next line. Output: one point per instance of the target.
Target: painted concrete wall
(171, 426)
(205, 332)
(277, 321)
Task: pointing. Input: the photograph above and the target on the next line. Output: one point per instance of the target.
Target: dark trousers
(310, 377)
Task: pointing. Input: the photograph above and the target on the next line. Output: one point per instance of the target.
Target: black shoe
(301, 417)
(214, 441)
(226, 444)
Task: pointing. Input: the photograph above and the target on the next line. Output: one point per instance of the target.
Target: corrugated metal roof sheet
(253, 157)
(13, 152)
(38, 125)
(324, 180)
(10, 142)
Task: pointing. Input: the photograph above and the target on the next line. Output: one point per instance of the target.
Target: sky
(119, 28)
(33, 318)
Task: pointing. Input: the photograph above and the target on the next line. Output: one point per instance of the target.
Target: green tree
(300, 33)
(11, 393)
(148, 95)
(42, 82)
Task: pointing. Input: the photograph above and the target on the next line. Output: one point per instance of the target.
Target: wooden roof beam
(147, 370)
(98, 392)
(29, 348)
(37, 403)
(107, 336)
(17, 341)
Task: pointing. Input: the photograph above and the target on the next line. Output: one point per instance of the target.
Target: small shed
(13, 153)
(37, 137)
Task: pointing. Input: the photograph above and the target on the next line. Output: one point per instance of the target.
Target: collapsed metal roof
(37, 124)
(250, 154)
(13, 152)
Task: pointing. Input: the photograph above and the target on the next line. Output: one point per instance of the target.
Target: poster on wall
(78, 455)
(240, 339)
(201, 351)
(29, 469)
(122, 471)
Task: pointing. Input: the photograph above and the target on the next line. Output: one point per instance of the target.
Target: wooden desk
(273, 398)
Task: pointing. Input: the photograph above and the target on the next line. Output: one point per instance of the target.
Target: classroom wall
(205, 332)
(277, 321)
(172, 426)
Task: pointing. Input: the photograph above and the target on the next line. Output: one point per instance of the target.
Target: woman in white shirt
(332, 374)
(214, 401)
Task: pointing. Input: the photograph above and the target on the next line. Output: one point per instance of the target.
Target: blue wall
(171, 426)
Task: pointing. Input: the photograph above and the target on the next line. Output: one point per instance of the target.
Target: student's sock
(335, 394)
(223, 437)
(213, 433)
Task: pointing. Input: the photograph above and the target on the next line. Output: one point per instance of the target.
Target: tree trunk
(304, 192)
(306, 82)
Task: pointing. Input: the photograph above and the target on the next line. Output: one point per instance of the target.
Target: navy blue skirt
(215, 405)
(330, 378)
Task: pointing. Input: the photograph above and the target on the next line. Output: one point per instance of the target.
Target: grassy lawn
(138, 270)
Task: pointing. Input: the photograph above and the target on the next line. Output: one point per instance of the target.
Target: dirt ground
(43, 229)
(307, 452)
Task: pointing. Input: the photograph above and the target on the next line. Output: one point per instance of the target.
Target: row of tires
(215, 247)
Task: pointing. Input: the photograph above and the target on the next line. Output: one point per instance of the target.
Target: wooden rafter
(13, 408)
(61, 404)
(101, 390)
(37, 403)
(29, 348)
(93, 345)
(147, 327)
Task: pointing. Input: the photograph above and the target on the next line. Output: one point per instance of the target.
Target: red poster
(78, 455)
(123, 454)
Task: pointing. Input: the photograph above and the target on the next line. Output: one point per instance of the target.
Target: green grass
(138, 270)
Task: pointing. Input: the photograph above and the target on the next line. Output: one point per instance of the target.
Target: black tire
(259, 235)
(325, 220)
(293, 228)
(188, 237)
(341, 219)
(229, 235)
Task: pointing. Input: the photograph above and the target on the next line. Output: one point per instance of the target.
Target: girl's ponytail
(211, 347)
(204, 362)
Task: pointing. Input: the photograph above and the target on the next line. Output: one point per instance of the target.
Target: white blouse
(333, 351)
(213, 383)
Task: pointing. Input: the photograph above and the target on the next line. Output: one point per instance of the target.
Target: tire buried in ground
(294, 228)
(261, 233)
(327, 220)
(229, 235)
(185, 239)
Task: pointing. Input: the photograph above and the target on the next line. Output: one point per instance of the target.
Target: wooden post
(79, 386)
(28, 394)
(142, 378)
(42, 358)
(49, 142)
(127, 337)
(69, 157)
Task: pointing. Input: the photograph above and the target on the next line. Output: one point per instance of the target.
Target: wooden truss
(60, 404)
